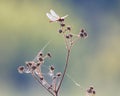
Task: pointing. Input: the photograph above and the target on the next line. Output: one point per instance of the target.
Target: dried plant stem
(56, 93)
(43, 85)
(67, 47)
(67, 59)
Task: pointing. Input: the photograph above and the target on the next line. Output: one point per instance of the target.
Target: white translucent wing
(64, 16)
(52, 18)
(54, 14)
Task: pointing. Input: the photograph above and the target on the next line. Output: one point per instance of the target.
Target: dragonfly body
(54, 17)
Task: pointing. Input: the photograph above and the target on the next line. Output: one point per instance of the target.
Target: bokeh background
(24, 30)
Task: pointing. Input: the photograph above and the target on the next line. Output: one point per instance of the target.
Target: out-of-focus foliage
(25, 29)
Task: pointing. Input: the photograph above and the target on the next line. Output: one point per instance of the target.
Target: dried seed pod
(51, 71)
(67, 36)
(85, 34)
(40, 54)
(34, 67)
(81, 35)
(38, 64)
(29, 64)
(70, 35)
(49, 55)
(58, 74)
(21, 69)
(91, 87)
(68, 28)
(82, 31)
(94, 92)
(62, 25)
(41, 78)
(41, 59)
(60, 31)
(90, 90)
(51, 68)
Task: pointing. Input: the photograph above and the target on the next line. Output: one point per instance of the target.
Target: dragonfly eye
(61, 20)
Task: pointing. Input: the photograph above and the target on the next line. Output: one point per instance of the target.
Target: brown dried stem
(67, 59)
(43, 85)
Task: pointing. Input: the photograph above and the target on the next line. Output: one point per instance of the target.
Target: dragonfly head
(60, 20)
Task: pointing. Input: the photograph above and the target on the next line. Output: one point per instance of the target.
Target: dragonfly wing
(64, 16)
(54, 14)
(52, 18)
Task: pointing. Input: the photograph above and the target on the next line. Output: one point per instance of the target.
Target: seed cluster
(34, 68)
(90, 92)
(70, 38)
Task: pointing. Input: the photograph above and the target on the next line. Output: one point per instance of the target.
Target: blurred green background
(24, 30)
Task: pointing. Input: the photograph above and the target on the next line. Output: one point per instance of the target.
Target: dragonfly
(54, 17)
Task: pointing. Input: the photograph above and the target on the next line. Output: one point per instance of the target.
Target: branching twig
(43, 85)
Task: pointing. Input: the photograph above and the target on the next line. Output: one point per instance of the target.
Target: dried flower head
(58, 74)
(67, 36)
(60, 31)
(21, 69)
(62, 24)
(51, 71)
(38, 64)
(90, 91)
(82, 31)
(41, 78)
(69, 28)
(91, 88)
(40, 53)
(83, 34)
(52, 68)
(94, 92)
(29, 64)
(34, 67)
(41, 59)
(71, 35)
(49, 55)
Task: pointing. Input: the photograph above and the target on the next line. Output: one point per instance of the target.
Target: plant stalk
(67, 59)
(43, 85)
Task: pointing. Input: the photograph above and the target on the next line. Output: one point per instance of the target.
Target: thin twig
(73, 43)
(43, 85)
(67, 59)
(64, 36)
